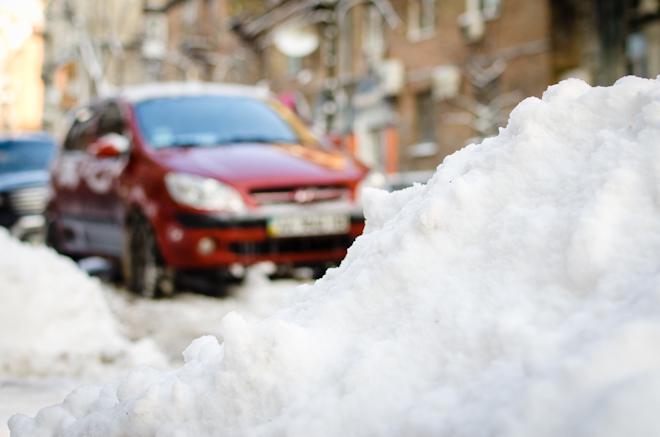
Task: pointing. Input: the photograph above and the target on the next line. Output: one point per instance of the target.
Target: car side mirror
(334, 141)
(111, 145)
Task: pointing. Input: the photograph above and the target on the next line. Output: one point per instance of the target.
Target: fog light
(175, 234)
(237, 270)
(205, 245)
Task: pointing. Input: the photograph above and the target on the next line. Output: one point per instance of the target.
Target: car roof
(26, 136)
(157, 90)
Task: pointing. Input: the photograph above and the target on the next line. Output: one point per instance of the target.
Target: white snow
(61, 329)
(54, 320)
(515, 294)
(174, 323)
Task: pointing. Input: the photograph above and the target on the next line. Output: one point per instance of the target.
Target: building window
(636, 54)
(477, 12)
(190, 13)
(486, 9)
(426, 145)
(490, 9)
(421, 19)
(425, 119)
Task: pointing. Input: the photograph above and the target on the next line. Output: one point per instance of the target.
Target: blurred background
(401, 84)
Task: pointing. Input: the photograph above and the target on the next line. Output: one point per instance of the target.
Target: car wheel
(212, 282)
(147, 273)
(52, 238)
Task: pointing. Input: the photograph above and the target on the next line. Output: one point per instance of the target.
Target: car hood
(264, 165)
(10, 181)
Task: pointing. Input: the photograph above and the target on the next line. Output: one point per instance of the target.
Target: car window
(211, 120)
(80, 132)
(111, 120)
(16, 156)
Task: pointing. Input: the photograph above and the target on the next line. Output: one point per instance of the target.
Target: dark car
(191, 183)
(24, 160)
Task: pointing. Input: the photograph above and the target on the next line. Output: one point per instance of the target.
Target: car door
(66, 182)
(100, 177)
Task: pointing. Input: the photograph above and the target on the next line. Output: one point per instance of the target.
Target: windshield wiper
(256, 140)
(180, 145)
(260, 140)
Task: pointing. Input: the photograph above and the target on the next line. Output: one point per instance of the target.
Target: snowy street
(517, 293)
(174, 323)
(473, 185)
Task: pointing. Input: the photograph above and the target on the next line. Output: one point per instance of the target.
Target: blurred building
(91, 46)
(402, 83)
(21, 56)
(198, 43)
(629, 35)
(408, 82)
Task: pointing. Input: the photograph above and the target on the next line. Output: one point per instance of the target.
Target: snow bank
(54, 320)
(194, 314)
(515, 294)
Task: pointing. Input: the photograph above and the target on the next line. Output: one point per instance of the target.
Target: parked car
(24, 160)
(188, 183)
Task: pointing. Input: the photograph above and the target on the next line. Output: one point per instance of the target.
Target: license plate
(308, 224)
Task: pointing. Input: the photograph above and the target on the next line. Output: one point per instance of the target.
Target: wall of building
(460, 76)
(91, 47)
(21, 57)
(201, 45)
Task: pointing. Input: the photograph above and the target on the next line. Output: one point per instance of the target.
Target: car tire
(145, 271)
(52, 238)
(211, 282)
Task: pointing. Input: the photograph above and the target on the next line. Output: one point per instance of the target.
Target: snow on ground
(27, 395)
(174, 323)
(515, 294)
(54, 320)
(60, 329)
(56, 331)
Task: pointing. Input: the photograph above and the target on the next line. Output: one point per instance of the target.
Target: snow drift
(515, 294)
(54, 320)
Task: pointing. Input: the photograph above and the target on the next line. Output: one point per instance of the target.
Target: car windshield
(211, 120)
(18, 156)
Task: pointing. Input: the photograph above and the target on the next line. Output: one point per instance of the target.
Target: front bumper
(21, 211)
(23, 227)
(196, 240)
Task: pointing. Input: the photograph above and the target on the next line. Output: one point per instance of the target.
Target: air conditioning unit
(446, 80)
(472, 23)
(391, 76)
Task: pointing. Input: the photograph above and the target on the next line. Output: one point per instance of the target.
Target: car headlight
(203, 193)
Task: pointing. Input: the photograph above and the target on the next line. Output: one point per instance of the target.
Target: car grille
(300, 195)
(28, 200)
(291, 245)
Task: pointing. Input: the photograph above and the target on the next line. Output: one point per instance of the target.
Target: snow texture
(54, 320)
(515, 294)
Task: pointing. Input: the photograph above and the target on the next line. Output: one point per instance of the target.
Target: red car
(185, 183)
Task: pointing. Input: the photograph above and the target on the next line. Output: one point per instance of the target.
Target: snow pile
(173, 323)
(516, 294)
(54, 320)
